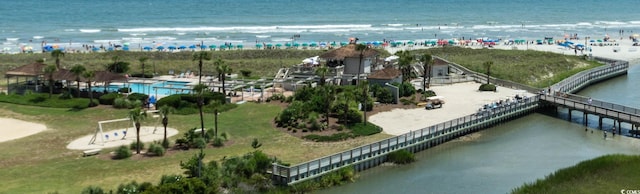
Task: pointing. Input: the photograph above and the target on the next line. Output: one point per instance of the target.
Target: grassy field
(41, 163)
(605, 174)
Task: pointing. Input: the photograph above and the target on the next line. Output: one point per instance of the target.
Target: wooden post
(600, 123)
(569, 115)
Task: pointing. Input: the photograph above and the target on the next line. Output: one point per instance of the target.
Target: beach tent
(125, 48)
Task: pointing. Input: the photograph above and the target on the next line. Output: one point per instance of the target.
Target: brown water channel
(503, 157)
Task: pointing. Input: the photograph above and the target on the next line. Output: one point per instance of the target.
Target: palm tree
(365, 95)
(164, 113)
(322, 72)
(89, 75)
(488, 65)
(328, 92)
(347, 94)
(142, 60)
(57, 54)
(404, 64)
(136, 115)
(362, 48)
(200, 56)
(49, 70)
(222, 69)
(199, 89)
(78, 70)
(427, 62)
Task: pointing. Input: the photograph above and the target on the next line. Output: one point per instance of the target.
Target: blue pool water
(160, 88)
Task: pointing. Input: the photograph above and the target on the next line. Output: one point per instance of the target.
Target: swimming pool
(159, 88)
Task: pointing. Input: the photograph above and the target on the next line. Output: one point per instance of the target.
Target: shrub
(330, 138)
(224, 136)
(353, 116)
(245, 73)
(92, 190)
(217, 142)
(360, 129)
(385, 96)
(405, 101)
(165, 144)
(401, 157)
(121, 102)
(428, 93)
(132, 146)
(122, 152)
(156, 149)
(135, 104)
(138, 96)
(199, 142)
(108, 99)
(487, 87)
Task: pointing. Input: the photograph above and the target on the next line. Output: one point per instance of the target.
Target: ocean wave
(138, 34)
(38, 37)
(13, 39)
(245, 28)
(206, 39)
(106, 41)
(69, 30)
(263, 36)
(281, 39)
(90, 30)
(584, 24)
(612, 23)
(181, 33)
(395, 25)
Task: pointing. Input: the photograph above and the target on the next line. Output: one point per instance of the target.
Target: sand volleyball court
(15, 129)
(113, 138)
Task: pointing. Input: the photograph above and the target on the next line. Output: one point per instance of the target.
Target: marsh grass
(605, 174)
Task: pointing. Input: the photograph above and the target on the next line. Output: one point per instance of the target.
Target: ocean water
(72, 23)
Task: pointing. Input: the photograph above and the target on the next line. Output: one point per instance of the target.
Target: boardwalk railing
(367, 156)
(580, 80)
(630, 116)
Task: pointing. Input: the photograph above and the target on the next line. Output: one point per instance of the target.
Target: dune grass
(534, 68)
(41, 163)
(605, 174)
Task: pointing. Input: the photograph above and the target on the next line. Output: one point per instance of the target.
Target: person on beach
(605, 133)
(613, 131)
(590, 100)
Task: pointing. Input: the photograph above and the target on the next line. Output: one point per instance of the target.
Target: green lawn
(605, 174)
(41, 163)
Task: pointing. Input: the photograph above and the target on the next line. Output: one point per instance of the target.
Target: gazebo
(31, 72)
(34, 72)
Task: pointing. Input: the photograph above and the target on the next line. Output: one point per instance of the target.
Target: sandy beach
(16, 129)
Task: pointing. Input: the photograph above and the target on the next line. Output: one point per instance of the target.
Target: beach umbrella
(212, 47)
(202, 47)
(278, 45)
(160, 48)
(147, 48)
(258, 45)
(125, 44)
(110, 49)
(126, 48)
(323, 44)
(333, 44)
(411, 42)
(192, 46)
(269, 45)
(313, 44)
(95, 49)
(305, 44)
(222, 47)
(295, 44)
(592, 40)
(171, 47)
(182, 47)
(343, 43)
(240, 46)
